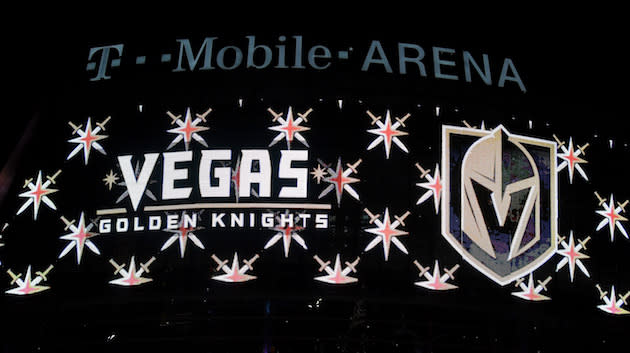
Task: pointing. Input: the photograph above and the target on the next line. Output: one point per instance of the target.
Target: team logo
(500, 200)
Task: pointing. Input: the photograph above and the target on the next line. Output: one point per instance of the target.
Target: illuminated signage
(214, 53)
(488, 177)
(493, 191)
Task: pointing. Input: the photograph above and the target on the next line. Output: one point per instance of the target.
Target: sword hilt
(583, 148)
(75, 128)
(322, 264)
(543, 284)
(219, 262)
(583, 242)
(173, 117)
(624, 297)
(102, 123)
(52, 178)
(372, 216)
(402, 120)
(401, 219)
(67, 222)
(560, 143)
(249, 263)
(117, 266)
(305, 114)
(468, 125)
(145, 266)
(623, 205)
(602, 293)
(276, 116)
(451, 272)
(423, 172)
(354, 165)
(422, 269)
(601, 199)
(27, 181)
(202, 116)
(14, 276)
(374, 118)
(43, 274)
(353, 264)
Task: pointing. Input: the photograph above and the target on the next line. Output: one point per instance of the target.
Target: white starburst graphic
(387, 132)
(79, 237)
(236, 273)
(287, 229)
(571, 158)
(572, 255)
(38, 193)
(319, 173)
(340, 180)
(87, 139)
(188, 129)
(110, 179)
(337, 274)
(28, 285)
(612, 216)
(288, 128)
(131, 277)
(433, 185)
(531, 291)
(436, 281)
(183, 233)
(386, 232)
(612, 305)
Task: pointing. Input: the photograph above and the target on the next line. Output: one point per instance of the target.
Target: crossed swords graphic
(143, 266)
(377, 119)
(15, 278)
(375, 218)
(603, 293)
(50, 180)
(621, 206)
(99, 126)
(201, 116)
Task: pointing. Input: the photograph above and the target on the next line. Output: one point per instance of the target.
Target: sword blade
(272, 241)
(351, 191)
(169, 242)
(25, 206)
(66, 249)
(48, 202)
(196, 241)
(92, 247)
(373, 243)
(399, 245)
(400, 144)
(375, 143)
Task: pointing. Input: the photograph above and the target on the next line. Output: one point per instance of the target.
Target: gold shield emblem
(500, 204)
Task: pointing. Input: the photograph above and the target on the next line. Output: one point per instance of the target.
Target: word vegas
(214, 179)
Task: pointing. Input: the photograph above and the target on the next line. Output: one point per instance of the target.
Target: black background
(575, 77)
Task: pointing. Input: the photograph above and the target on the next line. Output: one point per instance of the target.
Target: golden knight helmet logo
(499, 209)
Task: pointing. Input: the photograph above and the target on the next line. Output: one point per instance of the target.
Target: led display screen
(309, 192)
